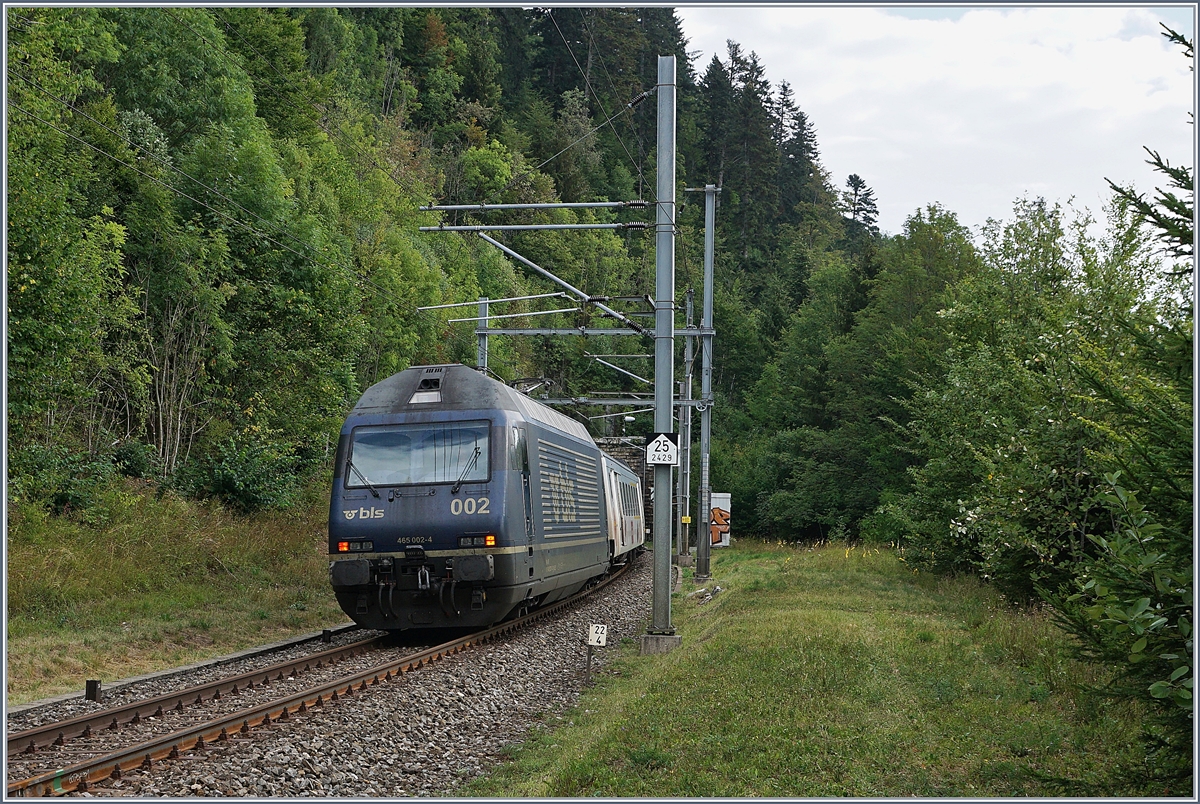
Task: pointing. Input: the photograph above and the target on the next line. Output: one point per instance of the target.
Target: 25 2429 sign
(662, 449)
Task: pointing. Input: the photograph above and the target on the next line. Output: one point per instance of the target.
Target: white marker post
(597, 637)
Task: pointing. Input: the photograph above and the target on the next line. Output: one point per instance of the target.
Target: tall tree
(859, 202)
(1170, 214)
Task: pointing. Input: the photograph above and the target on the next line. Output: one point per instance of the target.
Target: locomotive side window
(518, 455)
(408, 454)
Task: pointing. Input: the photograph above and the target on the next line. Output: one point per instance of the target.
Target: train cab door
(616, 531)
(521, 461)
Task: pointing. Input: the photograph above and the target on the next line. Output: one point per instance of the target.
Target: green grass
(835, 672)
(137, 584)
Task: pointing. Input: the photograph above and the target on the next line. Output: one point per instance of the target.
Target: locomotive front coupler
(414, 561)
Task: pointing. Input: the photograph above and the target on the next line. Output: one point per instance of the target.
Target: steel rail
(78, 777)
(29, 740)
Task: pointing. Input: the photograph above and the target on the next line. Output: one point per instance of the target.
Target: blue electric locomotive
(458, 501)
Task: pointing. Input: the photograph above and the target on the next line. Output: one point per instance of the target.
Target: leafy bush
(246, 475)
(1132, 609)
(56, 477)
(135, 459)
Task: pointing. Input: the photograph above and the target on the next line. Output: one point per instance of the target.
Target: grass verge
(835, 672)
(140, 583)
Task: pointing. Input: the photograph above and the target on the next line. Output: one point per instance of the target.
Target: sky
(973, 108)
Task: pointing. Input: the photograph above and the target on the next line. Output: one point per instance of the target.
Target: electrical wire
(31, 22)
(341, 136)
(317, 107)
(122, 162)
(450, 332)
(530, 171)
(629, 120)
(461, 339)
(587, 82)
(674, 223)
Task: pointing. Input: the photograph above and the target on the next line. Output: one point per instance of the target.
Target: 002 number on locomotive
(470, 506)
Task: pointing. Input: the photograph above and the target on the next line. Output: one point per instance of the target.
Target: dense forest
(213, 249)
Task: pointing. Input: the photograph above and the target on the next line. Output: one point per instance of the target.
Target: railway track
(93, 761)
(30, 741)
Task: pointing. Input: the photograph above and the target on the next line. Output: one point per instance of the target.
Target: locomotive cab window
(412, 454)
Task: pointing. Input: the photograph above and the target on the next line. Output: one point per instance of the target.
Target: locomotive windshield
(404, 454)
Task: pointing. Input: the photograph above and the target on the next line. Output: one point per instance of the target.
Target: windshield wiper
(350, 465)
(458, 483)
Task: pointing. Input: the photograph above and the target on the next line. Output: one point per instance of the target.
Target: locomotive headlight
(477, 541)
(355, 547)
(343, 547)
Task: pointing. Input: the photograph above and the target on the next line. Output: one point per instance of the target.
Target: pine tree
(859, 200)
(756, 158)
(717, 115)
(1169, 213)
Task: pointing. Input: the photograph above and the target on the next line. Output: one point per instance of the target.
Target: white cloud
(978, 108)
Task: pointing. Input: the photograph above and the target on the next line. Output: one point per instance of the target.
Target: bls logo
(364, 513)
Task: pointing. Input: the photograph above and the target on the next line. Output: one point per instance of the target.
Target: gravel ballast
(425, 734)
(130, 690)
